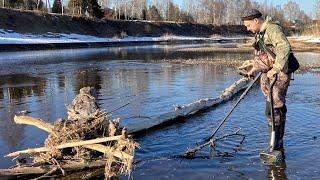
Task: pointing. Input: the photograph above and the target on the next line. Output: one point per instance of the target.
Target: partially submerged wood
(39, 123)
(211, 142)
(88, 133)
(67, 166)
(108, 150)
(188, 109)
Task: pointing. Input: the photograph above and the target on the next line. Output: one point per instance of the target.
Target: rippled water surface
(43, 82)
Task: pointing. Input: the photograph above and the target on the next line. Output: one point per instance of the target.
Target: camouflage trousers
(279, 93)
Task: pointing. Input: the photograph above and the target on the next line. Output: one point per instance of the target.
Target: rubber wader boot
(281, 122)
(272, 155)
(279, 133)
(280, 128)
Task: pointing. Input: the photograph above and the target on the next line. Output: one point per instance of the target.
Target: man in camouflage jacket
(273, 37)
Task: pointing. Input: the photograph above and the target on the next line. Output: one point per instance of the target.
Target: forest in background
(213, 12)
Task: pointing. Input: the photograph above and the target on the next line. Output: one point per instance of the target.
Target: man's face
(252, 25)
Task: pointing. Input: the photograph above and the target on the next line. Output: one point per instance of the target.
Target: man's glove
(246, 65)
(246, 69)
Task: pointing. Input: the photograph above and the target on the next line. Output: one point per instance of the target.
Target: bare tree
(188, 7)
(244, 6)
(216, 10)
(318, 9)
(62, 8)
(278, 14)
(292, 10)
(173, 12)
(304, 17)
(192, 9)
(138, 8)
(116, 6)
(153, 14)
(75, 7)
(162, 6)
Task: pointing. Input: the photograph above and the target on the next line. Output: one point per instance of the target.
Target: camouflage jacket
(273, 37)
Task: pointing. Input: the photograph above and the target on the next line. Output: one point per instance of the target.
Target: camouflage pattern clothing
(274, 38)
(272, 35)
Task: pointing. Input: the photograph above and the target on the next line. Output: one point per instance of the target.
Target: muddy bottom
(42, 82)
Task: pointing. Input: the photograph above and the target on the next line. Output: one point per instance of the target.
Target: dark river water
(43, 82)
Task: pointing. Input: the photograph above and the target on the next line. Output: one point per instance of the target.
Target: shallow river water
(43, 82)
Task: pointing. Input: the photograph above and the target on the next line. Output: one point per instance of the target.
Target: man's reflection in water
(277, 171)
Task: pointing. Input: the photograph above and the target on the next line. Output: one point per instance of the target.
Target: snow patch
(310, 39)
(10, 37)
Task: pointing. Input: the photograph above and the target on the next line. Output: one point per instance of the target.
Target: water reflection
(44, 84)
(14, 90)
(86, 77)
(17, 86)
(277, 172)
(155, 52)
(11, 133)
(149, 88)
(1, 94)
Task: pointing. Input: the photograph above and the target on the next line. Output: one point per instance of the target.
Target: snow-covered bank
(11, 37)
(309, 39)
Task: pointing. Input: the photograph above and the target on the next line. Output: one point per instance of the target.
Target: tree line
(215, 12)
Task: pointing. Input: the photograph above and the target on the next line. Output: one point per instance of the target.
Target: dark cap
(251, 14)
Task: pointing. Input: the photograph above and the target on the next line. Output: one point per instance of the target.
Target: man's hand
(251, 73)
(246, 65)
(271, 73)
(246, 69)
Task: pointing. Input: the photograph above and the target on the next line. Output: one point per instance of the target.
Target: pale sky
(308, 6)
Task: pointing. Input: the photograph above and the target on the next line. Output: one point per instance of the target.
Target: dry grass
(297, 46)
(215, 62)
(312, 30)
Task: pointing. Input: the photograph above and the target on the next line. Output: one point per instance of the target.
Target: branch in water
(211, 142)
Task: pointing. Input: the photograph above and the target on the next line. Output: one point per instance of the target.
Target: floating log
(188, 109)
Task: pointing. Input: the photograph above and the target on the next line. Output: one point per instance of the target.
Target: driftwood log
(86, 131)
(188, 109)
(71, 144)
(39, 123)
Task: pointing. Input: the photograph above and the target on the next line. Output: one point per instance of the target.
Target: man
(272, 38)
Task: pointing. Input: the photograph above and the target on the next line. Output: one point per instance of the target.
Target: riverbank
(13, 41)
(298, 44)
(41, 23)
(32, 30)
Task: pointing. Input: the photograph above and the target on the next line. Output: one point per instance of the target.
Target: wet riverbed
(43, 82)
